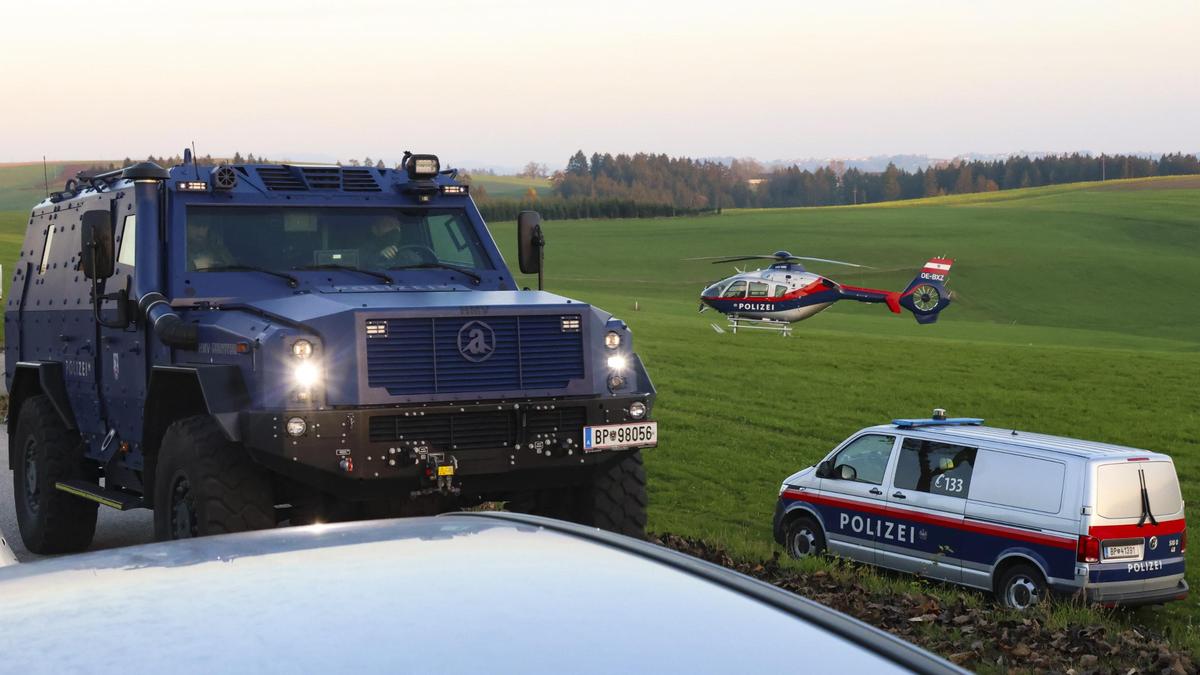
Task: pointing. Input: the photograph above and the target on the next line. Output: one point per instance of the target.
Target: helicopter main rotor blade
(724, 259)
(826, 260)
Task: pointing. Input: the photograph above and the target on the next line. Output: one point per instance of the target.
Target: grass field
(1076, 314)
(511, 187)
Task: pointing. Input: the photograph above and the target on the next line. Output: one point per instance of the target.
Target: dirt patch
(981, 637)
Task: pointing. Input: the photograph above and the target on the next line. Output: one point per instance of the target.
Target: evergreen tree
(891, 182)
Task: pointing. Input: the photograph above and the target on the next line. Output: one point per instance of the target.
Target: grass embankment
(1076, 315)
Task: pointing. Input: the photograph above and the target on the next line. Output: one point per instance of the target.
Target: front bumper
(494, 446)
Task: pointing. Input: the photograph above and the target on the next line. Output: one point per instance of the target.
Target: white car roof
(462, 593)
(1019, 440)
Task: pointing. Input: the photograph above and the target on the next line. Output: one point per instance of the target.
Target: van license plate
(1124, 552)
(637, 435)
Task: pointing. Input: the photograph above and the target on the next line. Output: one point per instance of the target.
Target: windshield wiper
(349, 268)
(1146, 511)
(440, 265)
(292, 281)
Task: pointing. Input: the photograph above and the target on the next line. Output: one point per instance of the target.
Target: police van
(1016, 513)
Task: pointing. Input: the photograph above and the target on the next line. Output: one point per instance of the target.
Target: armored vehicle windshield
(296, 238)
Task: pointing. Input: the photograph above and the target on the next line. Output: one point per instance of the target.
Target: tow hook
(438, 476)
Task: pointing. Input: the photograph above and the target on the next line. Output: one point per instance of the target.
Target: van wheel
(804, 538)
(1021, 587)
(47, 452)
(206, 485)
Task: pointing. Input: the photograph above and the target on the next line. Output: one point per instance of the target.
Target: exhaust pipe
(166, 323)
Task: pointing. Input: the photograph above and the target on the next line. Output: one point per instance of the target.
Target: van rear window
(1119, 489)
(1006, 479)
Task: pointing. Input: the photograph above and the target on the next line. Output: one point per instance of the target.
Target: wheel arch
(37, 378)
(1015, 557)
(178, 392)
(799, 510)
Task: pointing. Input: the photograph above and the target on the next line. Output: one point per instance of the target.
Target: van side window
(128, 241)
(936, 468)
(867, 456)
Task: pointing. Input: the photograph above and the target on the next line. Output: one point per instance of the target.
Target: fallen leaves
(969, 635)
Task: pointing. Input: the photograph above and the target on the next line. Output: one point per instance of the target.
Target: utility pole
(1101, 168)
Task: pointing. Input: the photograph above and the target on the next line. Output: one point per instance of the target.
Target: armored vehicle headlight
(612, 339)
(296, 426)
(616, 362)
(306, 374)
(637, 410)
(302, 349)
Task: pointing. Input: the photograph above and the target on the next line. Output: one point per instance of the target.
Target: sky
(504, 83)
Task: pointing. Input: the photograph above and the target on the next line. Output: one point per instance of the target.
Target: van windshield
(1119, 489)
(291, 238)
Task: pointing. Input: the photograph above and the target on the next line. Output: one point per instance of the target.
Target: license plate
(1123, 552)
(446, 470)
(636, 435)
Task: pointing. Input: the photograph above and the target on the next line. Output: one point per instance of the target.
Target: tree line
(613, 186)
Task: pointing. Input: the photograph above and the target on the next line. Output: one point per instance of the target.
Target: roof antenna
(45, 176)
(195, 169)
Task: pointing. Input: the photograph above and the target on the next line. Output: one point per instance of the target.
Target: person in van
(1022, 515)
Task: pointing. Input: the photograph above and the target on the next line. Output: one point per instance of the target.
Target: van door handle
(875, 491)
(899, 495)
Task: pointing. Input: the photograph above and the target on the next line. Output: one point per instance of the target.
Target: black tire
(803, 538)
(613, 498)
(205, 485)
(50, 520)
(1021, 586)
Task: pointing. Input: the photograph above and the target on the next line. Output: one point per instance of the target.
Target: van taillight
(1088, 550)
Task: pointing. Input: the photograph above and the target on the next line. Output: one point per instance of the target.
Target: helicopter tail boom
(925, 296)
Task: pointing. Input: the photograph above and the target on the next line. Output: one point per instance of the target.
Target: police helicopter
(784, 293)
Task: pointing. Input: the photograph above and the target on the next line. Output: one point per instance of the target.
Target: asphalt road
(113, 528)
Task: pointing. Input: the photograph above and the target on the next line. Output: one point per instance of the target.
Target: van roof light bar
(948, 422)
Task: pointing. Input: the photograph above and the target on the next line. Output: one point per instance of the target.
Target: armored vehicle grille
(280, 178)
(359, 180)
(323, 177)
(427, 356)
(476, 430)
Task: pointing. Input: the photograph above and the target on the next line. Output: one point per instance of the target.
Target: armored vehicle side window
(46, 250)
(758, 289)
(868, 456)
(736, 290)
(936, 468)
(290, 238)
(128, 241)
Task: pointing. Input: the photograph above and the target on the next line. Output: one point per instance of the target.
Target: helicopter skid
(782, 327)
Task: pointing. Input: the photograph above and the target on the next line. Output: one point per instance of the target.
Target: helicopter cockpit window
(736, 290)
(780, 291)
(714, 291)
(759, 289)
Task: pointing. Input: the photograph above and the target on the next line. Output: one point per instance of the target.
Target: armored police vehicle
(1016, 513)
(241, 346)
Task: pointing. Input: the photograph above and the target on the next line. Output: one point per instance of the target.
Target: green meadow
(511, 187)
(1075, 313)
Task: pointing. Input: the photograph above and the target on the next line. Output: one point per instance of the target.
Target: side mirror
(96, 238)
(530, 242)
(847, 472)
(825, 469)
